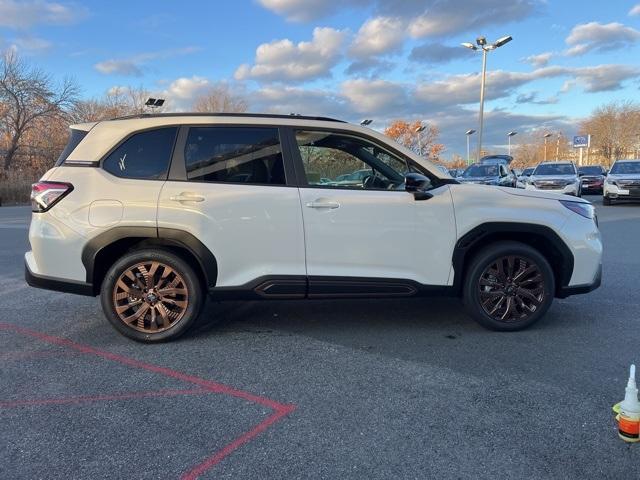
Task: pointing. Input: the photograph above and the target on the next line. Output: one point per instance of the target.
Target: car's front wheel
(508, 286)
(151, 295)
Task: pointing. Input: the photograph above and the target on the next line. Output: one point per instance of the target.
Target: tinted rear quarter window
(75, 137)
(144, 155)
(234, 155)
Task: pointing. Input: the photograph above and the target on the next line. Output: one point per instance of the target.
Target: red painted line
(217, 457)
(280, 409)
(207, 384)
(101, 398)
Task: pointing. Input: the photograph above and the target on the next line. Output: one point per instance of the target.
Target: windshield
(481, 171)
(591, 170)
(555, 169)
(625, 168)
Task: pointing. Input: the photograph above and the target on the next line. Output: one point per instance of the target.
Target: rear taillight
(45, 195)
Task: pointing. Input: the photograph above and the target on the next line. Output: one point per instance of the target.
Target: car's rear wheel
(509, 286)
(151, 296)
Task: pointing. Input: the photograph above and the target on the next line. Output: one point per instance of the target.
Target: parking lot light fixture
(482, 44)
(509, 135)
(366, 122)
(419, 130)
(546, 136)
(468, 133)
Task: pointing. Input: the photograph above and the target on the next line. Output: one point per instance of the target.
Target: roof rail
(226, 114)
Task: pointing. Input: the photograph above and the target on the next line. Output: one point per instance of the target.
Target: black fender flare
(480, 235)
(156, 236)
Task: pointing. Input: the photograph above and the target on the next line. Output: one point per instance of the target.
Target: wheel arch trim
(156, 237)
(475, 239)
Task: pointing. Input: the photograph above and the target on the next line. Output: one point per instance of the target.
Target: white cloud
(635, 10)
(371, 96)
(378, 36)
(435, 18)
(429, 17)
(182, 92)
(599, 37)
(27, 13)
(539, 60)
(119, 67)
(307, 10)
(134, 65)
(282, 60)
(437, 53)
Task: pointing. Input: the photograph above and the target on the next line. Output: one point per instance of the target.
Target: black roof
(226, 114)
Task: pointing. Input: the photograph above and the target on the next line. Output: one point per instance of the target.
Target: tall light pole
(546, 135)
(509, 135)
(482, 44)
(558, 147)
(419, 130)
(468, 134)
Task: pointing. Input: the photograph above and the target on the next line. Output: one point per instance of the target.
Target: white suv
(151, 212)
(622, 182)
(558, 177)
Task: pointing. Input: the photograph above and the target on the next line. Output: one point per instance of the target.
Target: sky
(349, 59)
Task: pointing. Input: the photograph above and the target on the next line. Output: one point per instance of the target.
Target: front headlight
(585, 210)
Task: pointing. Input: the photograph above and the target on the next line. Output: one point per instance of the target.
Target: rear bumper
(56, 284)
(564, 292)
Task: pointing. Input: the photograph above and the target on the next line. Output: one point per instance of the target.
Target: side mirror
(417, 184)
(581, 174)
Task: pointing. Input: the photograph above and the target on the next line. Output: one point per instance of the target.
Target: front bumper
(571, 189)
(616, 192)
(564, 292)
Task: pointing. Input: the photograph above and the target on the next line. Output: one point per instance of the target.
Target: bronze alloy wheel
(150, 297)
(511, 288)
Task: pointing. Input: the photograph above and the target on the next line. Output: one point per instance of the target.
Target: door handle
(187, 197)
(317, 204)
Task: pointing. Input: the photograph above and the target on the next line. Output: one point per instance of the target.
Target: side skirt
(314, 287)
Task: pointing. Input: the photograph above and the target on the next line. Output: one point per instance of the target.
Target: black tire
(479, 271)
(606, 200)
(179, 310)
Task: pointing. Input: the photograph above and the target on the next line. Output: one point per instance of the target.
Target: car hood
(539, 178)
(476, 179)
(628, 176)
(541, 194)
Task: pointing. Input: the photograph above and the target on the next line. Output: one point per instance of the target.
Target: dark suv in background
(592, 178)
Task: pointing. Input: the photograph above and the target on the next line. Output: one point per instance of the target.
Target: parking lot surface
(313, 389)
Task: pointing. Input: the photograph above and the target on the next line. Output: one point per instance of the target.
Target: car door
(367, 227)
(228, 188)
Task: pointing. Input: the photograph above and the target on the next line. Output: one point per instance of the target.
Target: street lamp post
(468, 134)
(546, 135)
(419, 130)
(482, 44)
(509, 135)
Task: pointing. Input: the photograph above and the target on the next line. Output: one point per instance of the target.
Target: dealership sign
(581, 141)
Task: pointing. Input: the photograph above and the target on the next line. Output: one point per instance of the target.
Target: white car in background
(152, 212)
(556, 177)
(622, 182)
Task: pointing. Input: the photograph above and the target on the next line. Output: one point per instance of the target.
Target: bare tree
(117, 102)
(28, 95)
(615, 129)
(220, 99)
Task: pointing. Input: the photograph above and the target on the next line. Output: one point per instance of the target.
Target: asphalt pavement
(316, 389)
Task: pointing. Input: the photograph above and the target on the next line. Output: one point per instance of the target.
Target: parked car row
(622, 182)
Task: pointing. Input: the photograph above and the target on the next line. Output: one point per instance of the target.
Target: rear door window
(250, 155)
(145, 155)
